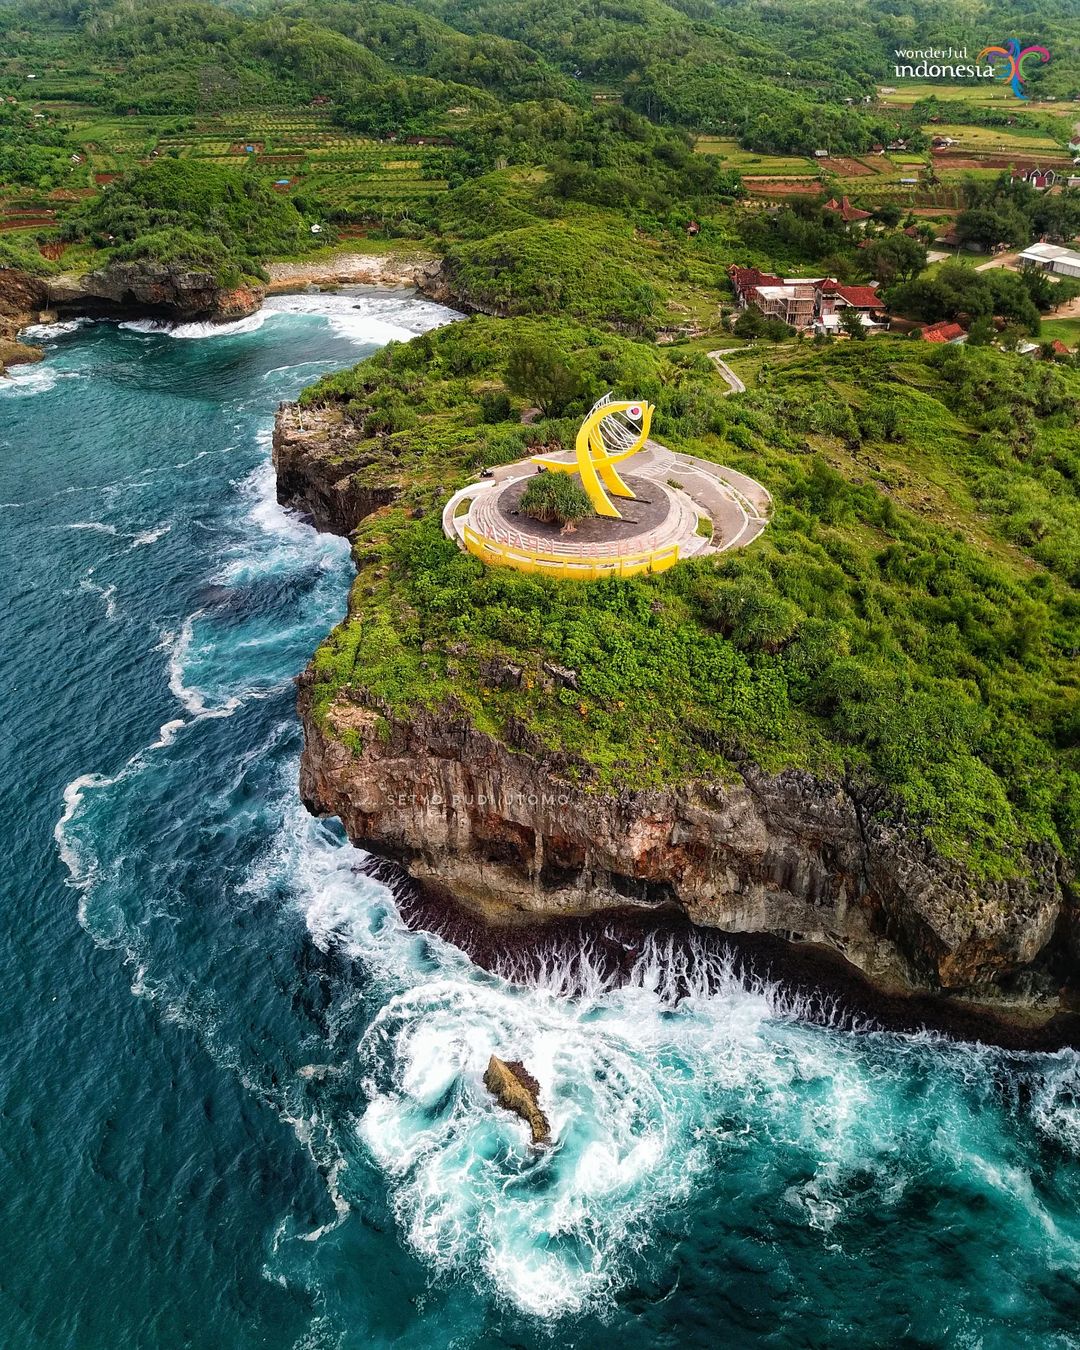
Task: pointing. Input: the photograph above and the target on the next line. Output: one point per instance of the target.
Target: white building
(1052, 258)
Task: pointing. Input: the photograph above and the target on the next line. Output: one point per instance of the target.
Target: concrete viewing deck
(684, 507)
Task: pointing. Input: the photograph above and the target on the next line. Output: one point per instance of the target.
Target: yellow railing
(581, 567)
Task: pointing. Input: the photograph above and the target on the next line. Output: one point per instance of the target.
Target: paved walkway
(737, 508)
(735, 385)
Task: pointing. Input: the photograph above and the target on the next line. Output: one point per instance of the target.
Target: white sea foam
(98, 526)
(368, 319)
(25, 381)
(146, 537)
(182, 649)
(47, 332)
(107, 594)
(626, 1076)
(196, 330)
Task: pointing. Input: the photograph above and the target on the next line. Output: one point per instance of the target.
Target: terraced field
(352, 175)
(734, 156)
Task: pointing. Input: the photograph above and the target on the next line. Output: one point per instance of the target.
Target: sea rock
(17, 353)
(513, 1087)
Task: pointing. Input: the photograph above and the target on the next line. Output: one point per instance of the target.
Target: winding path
(735, 385)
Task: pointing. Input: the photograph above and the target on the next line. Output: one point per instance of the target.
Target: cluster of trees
(1006, 212)
(35, 153)
(955, 290)
(177, 211)
(802, 231)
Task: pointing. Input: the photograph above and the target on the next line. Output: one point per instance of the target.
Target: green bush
(556, 499)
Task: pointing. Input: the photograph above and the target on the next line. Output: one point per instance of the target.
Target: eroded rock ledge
(155, 290)
(510, 835)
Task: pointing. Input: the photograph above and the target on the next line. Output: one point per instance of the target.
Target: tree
(540, 371)
(749, 323)
(888, 213)
(895, 257)
(852, 324)
(987, 227)
(982, 332)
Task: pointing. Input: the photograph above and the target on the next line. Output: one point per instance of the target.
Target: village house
(850, 215)
(792, 302)
(807, 303)
(1040, 179)
(943, 332)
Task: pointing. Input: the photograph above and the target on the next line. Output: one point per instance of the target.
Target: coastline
(820, 986)
(811, 970)
(416, 270)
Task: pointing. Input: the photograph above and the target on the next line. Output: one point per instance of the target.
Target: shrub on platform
(556, 499)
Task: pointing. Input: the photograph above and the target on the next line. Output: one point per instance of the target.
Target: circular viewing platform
(683, 507)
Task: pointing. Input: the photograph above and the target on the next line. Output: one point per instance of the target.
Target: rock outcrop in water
(509, 829)
(513, 1087)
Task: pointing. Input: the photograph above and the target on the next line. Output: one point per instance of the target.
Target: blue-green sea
(241, 1103)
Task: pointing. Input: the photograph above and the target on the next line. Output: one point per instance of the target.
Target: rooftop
(1050, 253)
(943, 332)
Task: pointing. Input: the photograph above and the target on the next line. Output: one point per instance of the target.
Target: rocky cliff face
(506, 832)
(22, 299)
(320, 472)
(166, 290)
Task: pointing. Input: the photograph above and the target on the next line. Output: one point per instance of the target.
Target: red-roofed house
(1059, 348)
(850, 215)
(943, 332)
(807, 303)
(1040, 179)
(790, 301)
(746, 279)
(833, 298)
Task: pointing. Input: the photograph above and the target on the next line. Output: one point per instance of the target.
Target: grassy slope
(907, 618)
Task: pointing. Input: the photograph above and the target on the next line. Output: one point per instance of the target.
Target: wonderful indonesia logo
(1007, 63)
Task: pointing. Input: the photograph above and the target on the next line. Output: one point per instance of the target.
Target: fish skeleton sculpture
(612, 432)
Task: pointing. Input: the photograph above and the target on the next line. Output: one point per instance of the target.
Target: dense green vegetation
(555, 499)
(909, 617)
(212, 217)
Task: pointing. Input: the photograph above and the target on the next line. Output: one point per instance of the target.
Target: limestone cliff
(320, 472)
(506, 831)
(167, 290)
(22, 300)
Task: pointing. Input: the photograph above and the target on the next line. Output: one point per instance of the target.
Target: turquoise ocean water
(241, 1103)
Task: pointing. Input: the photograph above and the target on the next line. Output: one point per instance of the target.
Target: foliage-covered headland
(911, 618)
